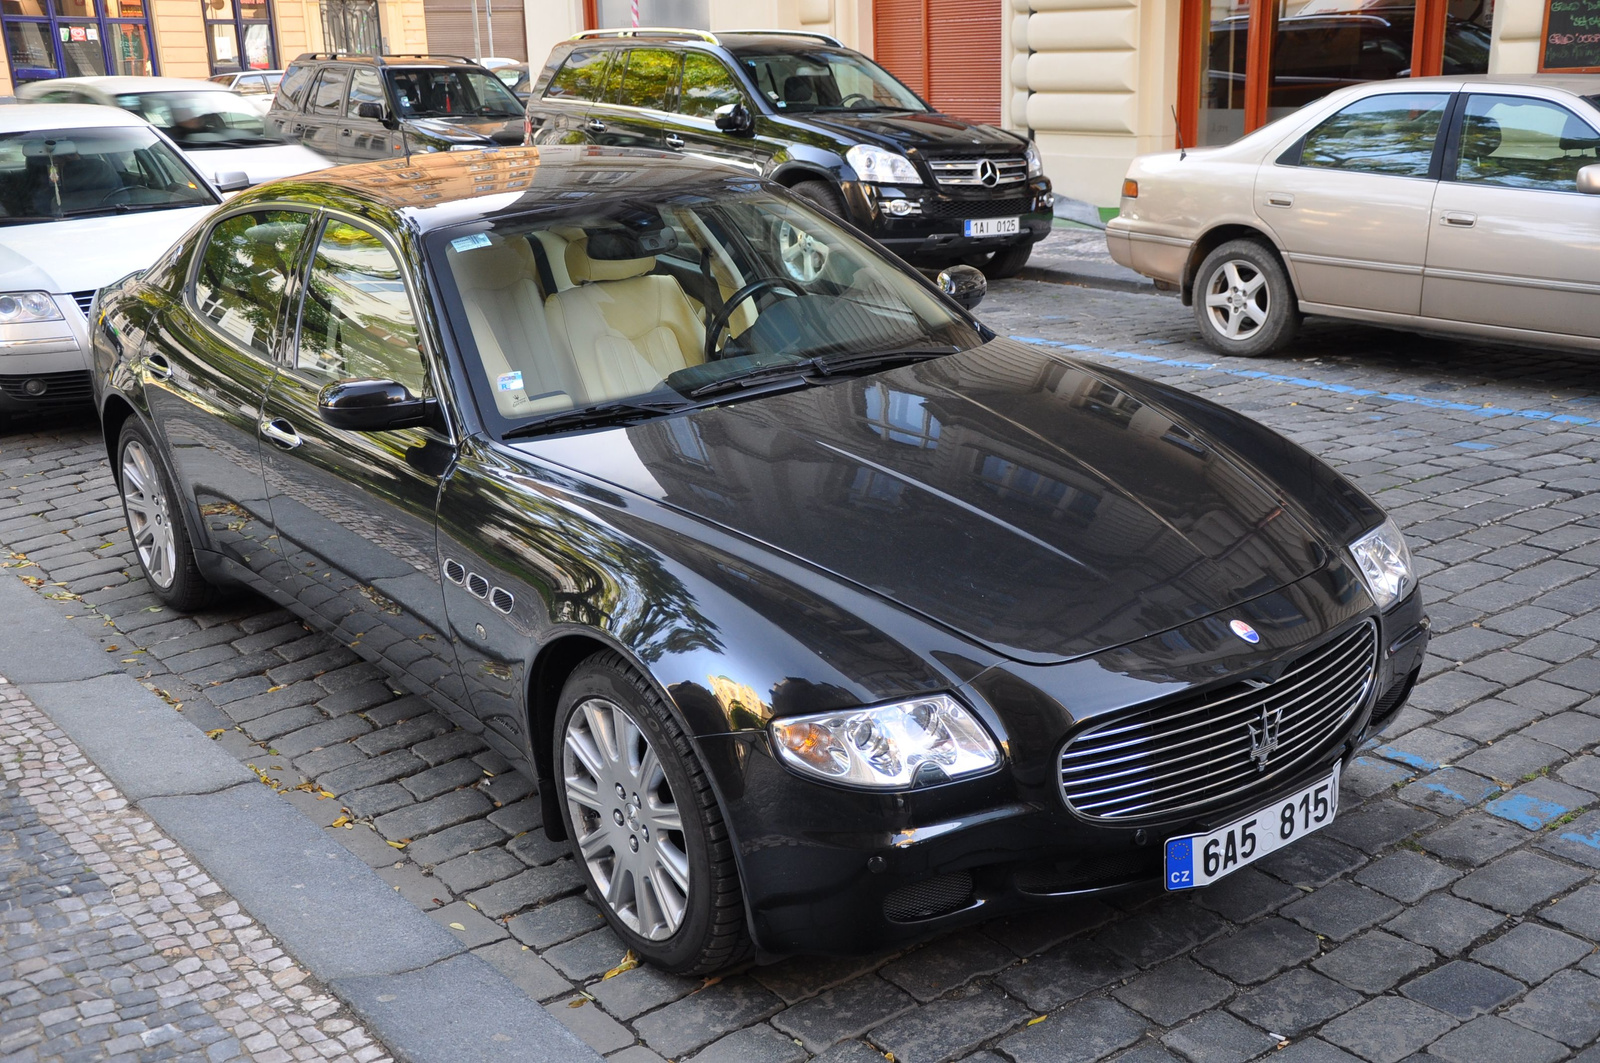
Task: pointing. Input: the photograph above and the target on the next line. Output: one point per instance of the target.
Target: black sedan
(823, 616)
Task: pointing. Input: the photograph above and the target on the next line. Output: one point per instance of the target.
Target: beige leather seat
(623, 330)
(505, 311)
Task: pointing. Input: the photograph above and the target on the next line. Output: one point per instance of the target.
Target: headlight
(882, 167)
(891, 747)
(1385, 563)
(18, 307)
(1035, 163)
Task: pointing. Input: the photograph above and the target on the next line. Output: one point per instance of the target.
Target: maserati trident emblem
(988, 173)
(1244, 631)
(1264, 739)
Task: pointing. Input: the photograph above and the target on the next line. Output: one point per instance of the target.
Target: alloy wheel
(1238, 299)
(626, 818)
(149, 514)
(803, 255)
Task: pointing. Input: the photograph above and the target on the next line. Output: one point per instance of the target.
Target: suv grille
(1151, 762)
(977, 208)
(971, 172)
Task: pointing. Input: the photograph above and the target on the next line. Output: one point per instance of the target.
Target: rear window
(579, 78)
(293, 86)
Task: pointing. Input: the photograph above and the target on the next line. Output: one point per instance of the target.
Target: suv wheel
(1243, 300)
(821, 194)
(1004, 263)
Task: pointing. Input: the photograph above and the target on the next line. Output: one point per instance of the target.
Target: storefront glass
(75, 38)
(239, 35)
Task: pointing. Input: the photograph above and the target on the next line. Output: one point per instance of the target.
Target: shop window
(239, 35)
(75, 38)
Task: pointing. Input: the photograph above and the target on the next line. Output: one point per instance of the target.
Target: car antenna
(1183, 152)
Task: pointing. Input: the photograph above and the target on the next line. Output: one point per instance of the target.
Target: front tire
(1243, 301)
(645, 826)
(1006, 262)
(155, 523)
(821, 194)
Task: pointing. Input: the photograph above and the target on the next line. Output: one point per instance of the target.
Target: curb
(418, 989)
(1107, 277)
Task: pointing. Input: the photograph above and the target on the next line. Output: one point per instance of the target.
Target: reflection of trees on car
(245, 270)
(357, 319)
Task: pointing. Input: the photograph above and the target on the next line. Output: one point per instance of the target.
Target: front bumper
(937, 229)
(836, 871)
(45, 364)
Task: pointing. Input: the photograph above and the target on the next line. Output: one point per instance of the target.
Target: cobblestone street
(1449, 911)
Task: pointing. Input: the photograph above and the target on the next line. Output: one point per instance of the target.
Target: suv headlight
(881, 166)
(1035, 162)
(1385, 563)
(890, 747)
(19, 307)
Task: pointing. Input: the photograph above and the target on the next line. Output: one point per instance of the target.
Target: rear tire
(821, 194)
(1243, 301)
(155, 523)
(1006, 262)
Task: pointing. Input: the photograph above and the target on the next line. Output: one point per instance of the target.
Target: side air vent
(478, 586)
(453, 571)
(501, 599)
(929, 898)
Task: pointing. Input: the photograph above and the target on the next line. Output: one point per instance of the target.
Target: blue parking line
(1476, 446)
(1526, 811)
(1320, 385)
(1410, 759)
(1592, 840)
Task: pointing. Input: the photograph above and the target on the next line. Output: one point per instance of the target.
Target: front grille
(976, 208)
(971, 172)
(84, 301)
(1154, 762)
(931, 897)
(71, 386)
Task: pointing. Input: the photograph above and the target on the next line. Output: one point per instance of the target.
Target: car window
(1393, 134)
(365, 87)
(292, 89)
(649, 79)
(707, 85)
(461, 91)
(201, 120)
(246, 265)
(357, 319)
(826, 80)
(1520, 142)
(222, 79)
(328, 96)
(253, 85)
(579, 77)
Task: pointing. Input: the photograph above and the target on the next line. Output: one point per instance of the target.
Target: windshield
(199, 120)
(827, 81)
(453, 93)
(641, 307)
(46, 175)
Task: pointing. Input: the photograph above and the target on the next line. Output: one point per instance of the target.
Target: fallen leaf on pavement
(341, 821)
(398, 845)
(629, 962)
(1037, 1019)
(457, 926)
(216, 733)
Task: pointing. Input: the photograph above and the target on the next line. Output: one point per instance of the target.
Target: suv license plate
(1200, 859)
(993, 226)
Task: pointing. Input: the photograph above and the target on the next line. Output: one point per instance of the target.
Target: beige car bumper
(1158, 257)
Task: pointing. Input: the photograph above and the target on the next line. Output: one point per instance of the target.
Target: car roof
(446, 188)
(1577, 84)
(29, 116)
(410, 60)
(115, 83)
(757, 40)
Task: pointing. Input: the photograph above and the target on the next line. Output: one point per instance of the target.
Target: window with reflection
(76, 38)
(239, 35)
(357, 319)
(246, 266)
(1389, 134)
(901, 417)
(1521, 142)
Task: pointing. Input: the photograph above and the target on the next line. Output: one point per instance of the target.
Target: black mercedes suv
(361, 108)
(809, 113)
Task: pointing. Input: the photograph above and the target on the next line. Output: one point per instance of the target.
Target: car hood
(265, 163)
(908, 131)
(83, 254)
(499, 130)
(1028, 503)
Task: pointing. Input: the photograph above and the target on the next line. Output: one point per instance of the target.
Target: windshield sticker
(467, 243)
(508, 381)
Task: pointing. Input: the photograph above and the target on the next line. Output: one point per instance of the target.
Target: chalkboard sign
(1571, 36)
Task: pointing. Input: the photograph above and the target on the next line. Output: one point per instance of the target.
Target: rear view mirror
(1589, 179)
(733, 118)
(965, 284)
(232, 181)
(367, 405)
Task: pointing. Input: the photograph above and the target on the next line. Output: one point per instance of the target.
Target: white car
(255, 87)
(87, 195)
(219, 131)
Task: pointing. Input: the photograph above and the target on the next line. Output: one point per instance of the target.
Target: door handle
(596, 126)
(344, 133)
(280, 432)
(1459, 218)
(1280, 199)
(158, 367)
(674, 140)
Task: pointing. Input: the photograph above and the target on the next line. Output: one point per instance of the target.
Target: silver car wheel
(149, 515)
(629, 830)
(803, 255)
(1238, 299)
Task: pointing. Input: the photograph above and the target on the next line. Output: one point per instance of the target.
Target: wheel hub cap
(144, 501)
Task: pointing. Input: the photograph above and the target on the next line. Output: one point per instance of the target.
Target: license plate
(1200, 859)
(994, 226)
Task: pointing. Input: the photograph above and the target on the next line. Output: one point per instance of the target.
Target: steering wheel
(855, 96)
(119, 190)
(719, 320)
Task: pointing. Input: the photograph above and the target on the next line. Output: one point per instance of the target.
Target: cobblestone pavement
(1449, 911)
(115, 946)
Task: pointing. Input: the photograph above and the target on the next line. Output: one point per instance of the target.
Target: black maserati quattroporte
(823, 616)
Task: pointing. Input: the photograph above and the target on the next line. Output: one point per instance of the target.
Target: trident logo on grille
(1264, 739)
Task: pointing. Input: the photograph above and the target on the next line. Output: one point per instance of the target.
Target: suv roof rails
(826, 38)
(647, 31)
(379, 59)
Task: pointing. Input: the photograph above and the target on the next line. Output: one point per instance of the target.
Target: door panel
(708, 85)
(360, 138)
(324, 115)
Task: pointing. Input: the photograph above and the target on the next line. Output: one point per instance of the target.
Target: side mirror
(1589, 179)
(965, 284)
(233, 181)
(366, 405)
(370, 110)
(733, 118)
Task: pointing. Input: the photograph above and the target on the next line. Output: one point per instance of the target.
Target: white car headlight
(1385, 563)
(1035, 162)
(881, 166)
(19, 307)
(890, 747)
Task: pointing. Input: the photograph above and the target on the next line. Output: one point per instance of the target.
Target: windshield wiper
(124, 208)
(822, 365)
(602, 413)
